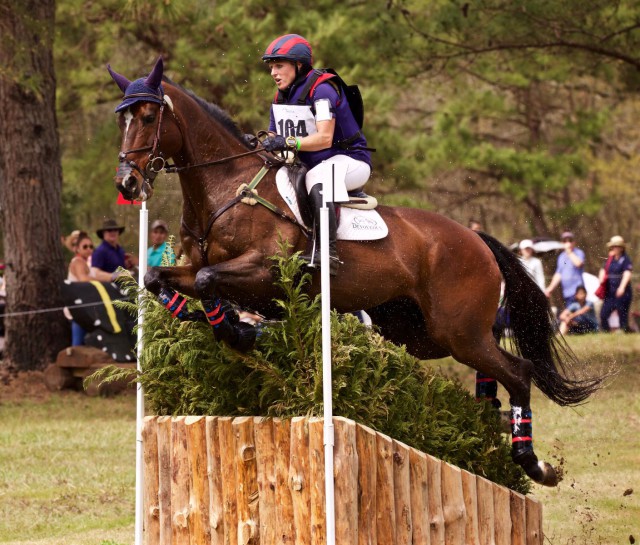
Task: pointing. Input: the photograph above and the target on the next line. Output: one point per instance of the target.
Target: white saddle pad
(354, 224)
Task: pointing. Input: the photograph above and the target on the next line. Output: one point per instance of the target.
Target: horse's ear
(155, 78)
(122, 82)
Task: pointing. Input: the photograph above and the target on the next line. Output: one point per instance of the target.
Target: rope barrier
(56, 309)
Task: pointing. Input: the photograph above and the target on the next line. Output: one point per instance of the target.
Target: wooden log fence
(249, 481)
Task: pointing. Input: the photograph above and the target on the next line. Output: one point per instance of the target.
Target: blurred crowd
(108, 260)
(582, 302)
(589, 303)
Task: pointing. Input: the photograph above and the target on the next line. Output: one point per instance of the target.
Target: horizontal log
(82, 356)
(57, 378)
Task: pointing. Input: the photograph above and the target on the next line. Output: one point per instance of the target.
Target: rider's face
(283, 73)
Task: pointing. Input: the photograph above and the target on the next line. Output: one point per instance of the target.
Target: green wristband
(298, 144)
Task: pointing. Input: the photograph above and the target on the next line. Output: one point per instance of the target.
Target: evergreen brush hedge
(378, 384)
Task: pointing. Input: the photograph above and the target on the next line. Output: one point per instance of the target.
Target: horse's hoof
(550, 477)
(538, 471)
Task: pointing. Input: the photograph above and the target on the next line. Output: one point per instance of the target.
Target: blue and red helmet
(290, 47)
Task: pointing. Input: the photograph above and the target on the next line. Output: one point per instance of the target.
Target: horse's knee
(152, 280)
(205, 283)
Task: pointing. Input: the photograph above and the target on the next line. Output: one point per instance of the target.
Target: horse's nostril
(129, 182)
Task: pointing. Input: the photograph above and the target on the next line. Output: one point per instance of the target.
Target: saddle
(357, 199)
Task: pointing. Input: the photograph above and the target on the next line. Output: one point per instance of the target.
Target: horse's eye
(148, 119)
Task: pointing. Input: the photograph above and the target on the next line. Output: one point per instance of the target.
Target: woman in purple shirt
(618, 293)
(317, 121)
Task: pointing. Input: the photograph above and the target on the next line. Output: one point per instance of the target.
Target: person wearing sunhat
(109, 255)
(618, 292)
(569, 269)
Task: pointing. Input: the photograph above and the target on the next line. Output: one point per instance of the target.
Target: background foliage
(520, 114)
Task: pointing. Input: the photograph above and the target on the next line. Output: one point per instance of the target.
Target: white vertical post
(327, 386)
(142, 270)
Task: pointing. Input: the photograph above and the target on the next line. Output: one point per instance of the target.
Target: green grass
(67, 463)
(67, 470)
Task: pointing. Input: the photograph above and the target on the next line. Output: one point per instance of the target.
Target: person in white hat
(532, 263)
(618, 292)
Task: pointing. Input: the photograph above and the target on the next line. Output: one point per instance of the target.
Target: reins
(175, 169)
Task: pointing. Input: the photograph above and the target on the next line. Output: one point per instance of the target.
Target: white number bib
(294, 120)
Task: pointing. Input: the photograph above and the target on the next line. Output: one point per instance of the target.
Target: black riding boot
(313, 257)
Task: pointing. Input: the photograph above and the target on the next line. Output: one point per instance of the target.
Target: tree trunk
(30, 180)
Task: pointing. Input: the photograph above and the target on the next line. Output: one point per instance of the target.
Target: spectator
(579, 317)
(79, 266)
(80, 271)
(531, 263)
(569, 269)
(475, 225)
(618, 292)
(70, 242)
(110, 255)
(158, 235)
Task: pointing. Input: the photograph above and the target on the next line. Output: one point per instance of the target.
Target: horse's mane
(213, 110)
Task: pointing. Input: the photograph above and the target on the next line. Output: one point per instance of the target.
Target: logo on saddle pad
(354, 224)
(360, 222)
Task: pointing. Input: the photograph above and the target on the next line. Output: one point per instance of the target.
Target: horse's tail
(534, 332)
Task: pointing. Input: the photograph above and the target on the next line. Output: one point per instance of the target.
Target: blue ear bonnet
(138, 91)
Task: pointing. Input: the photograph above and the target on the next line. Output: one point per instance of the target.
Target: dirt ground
(23, 385)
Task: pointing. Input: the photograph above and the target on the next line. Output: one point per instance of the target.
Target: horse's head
(149, 136)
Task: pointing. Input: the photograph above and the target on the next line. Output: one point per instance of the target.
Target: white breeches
(358, 172)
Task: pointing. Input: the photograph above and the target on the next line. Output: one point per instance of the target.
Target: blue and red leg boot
(176, 304)
(487, 389)
(522, 442)
(226, 326)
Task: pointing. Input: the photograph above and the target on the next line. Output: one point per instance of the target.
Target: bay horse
(431, 284)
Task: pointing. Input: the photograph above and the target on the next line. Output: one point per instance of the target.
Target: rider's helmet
(290, 47)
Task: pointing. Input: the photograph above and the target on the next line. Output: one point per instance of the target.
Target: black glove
(274, 143)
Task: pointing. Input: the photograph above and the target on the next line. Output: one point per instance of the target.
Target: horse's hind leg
(514, 374)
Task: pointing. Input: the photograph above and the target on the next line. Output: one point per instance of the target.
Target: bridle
(156, 162)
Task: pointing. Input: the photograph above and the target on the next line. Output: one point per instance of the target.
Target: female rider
(321, 127)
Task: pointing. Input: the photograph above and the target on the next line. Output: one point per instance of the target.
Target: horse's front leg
(242, 278)
(168, 284)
